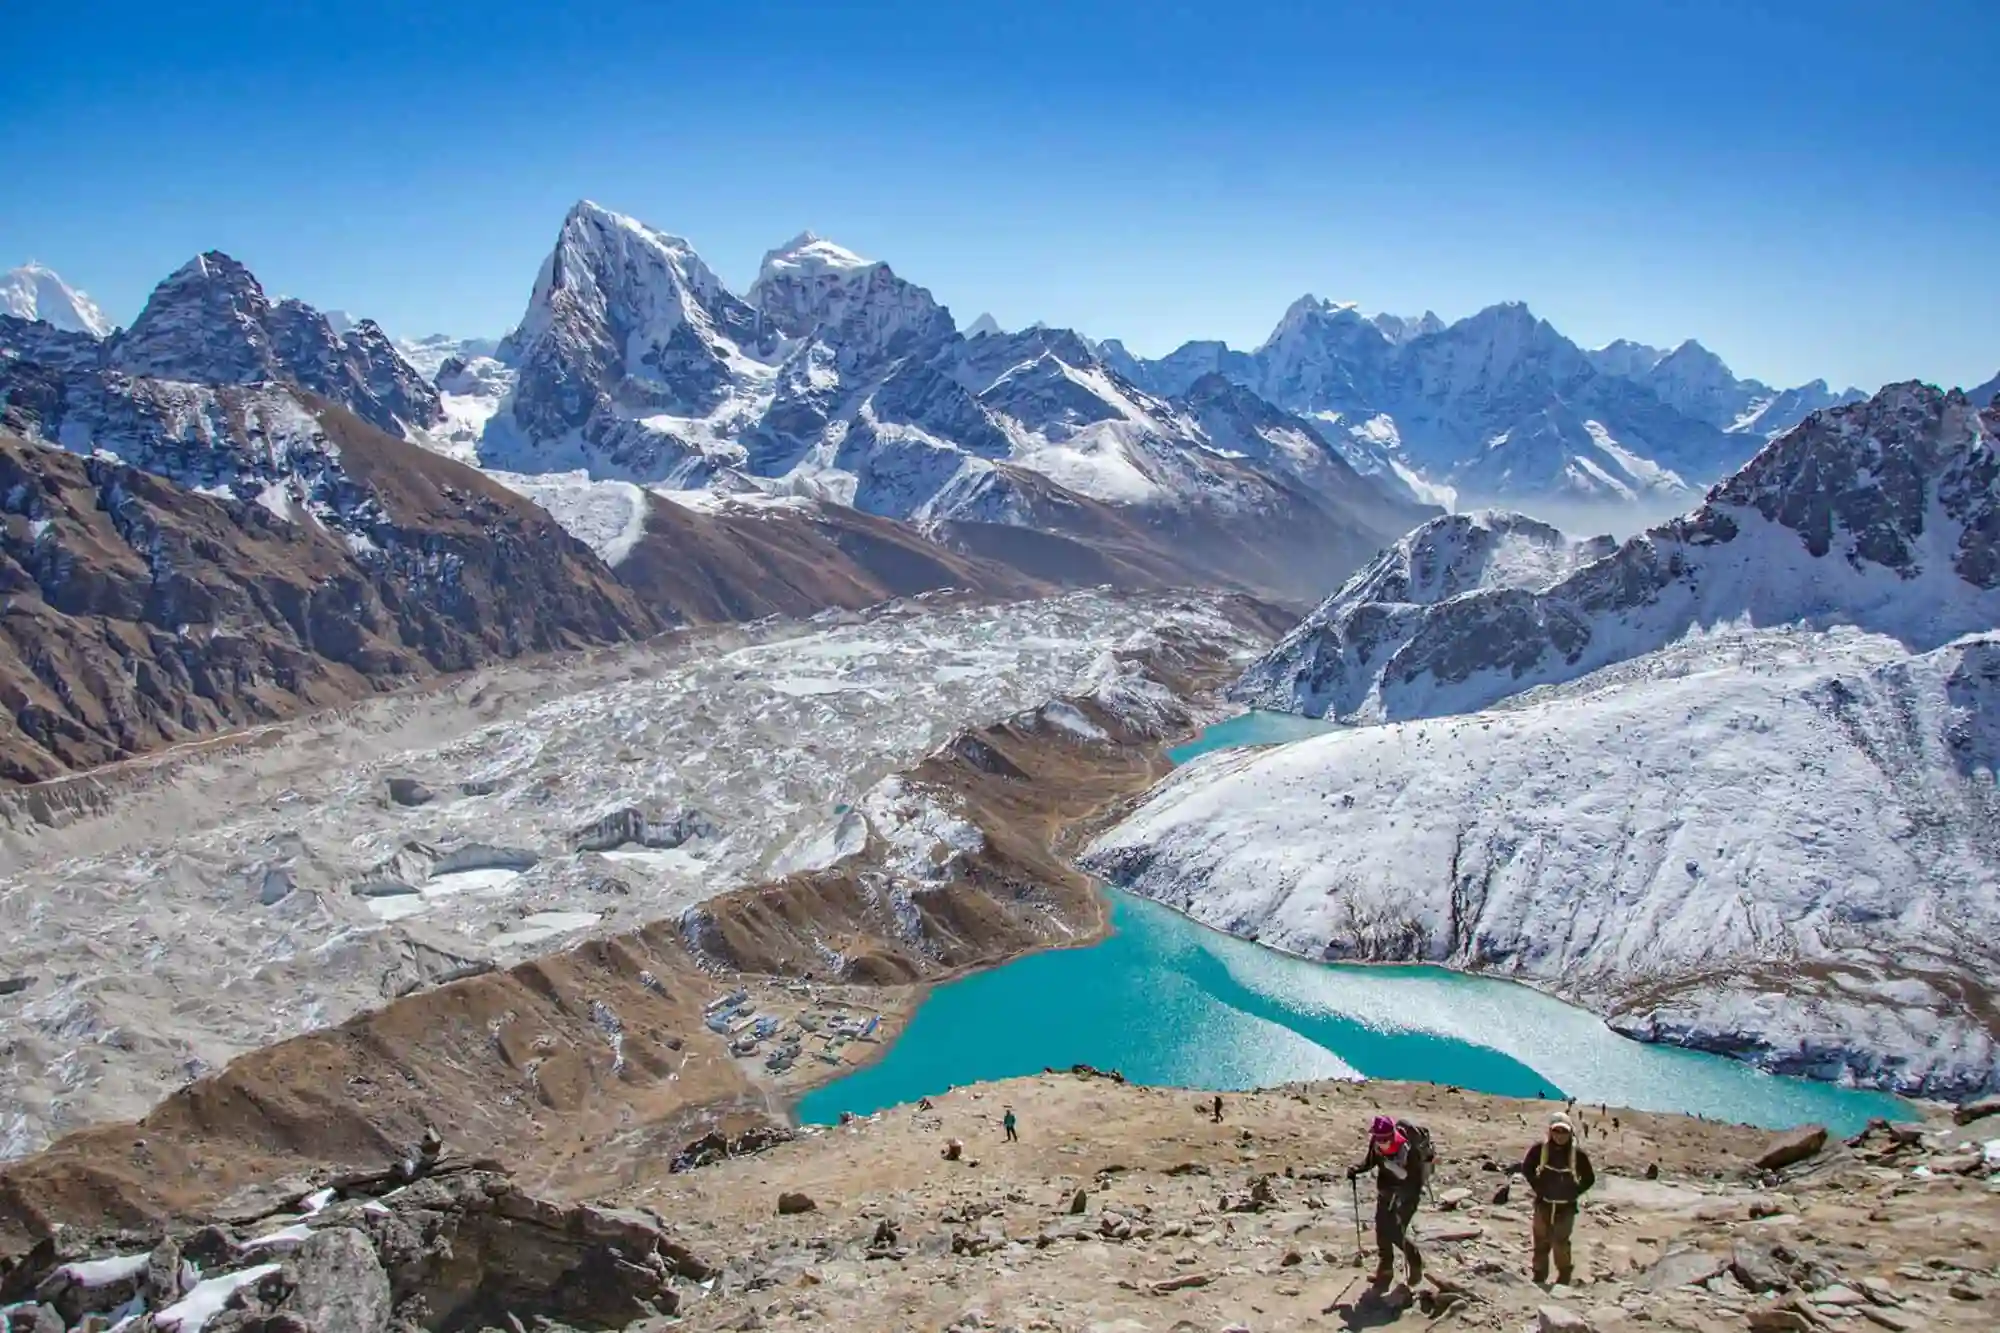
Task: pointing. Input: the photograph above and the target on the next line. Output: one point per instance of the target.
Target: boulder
(1959, 1163)
(792, 1203)
(275, 887)
(1757, 1267)
(1792, 1147)
(608, 1290)
(1781, 1321)
(340, 1283)
(163, 1283)
(210, 1248)
(15, 985)
(410, 792)
(1555, 1319)
(91, 1286)
(1684, 1267)
(630, 825)
(483, 856)
(1879, 1292)
(1977, 1109)
(1453, 1198)
(34, 1319)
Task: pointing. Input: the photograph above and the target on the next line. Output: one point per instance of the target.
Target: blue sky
(1810, 187)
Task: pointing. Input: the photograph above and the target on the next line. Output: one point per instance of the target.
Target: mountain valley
(488, 738)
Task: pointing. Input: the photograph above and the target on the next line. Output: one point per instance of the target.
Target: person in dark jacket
(1399, 1188)
(1560, 1174)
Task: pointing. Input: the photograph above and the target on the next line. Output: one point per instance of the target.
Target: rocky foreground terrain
(1121, 1210)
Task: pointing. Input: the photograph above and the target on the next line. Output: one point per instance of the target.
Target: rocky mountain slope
(142, 613)
(33, 292)
(1332, 662)
(838, 379)
(220, 410)
(1730, 784)
(1879, 515)
(211, 323)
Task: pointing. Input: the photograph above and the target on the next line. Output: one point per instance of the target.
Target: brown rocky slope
(140, 613)
(746, 562)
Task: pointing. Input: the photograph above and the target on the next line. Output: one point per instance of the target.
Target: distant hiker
(1560, 1174)
(1007, 1124)
(1218, 1108)
(923, 1103)
(1401, 1156)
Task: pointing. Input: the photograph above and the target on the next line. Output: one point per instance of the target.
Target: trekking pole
(1355, 1190)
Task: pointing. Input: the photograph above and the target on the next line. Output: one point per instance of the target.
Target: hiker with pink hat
(1401, 1156)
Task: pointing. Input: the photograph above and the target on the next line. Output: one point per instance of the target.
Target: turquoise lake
(1252, 728)
(1169, 1002)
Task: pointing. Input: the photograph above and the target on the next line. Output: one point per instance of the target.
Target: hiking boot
(1382, 1276)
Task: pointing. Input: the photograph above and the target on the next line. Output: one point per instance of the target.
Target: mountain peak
(1692, 353)
(34, 291)
(1404, 328)
(986, 324)
(808, 253)
(210, 322)
(1309, 309)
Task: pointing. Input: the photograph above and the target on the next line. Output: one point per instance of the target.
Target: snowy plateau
(1731, 783)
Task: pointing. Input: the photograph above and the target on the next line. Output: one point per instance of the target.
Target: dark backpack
(1423, 1152)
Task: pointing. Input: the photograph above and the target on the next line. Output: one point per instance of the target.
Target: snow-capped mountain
(1697, 383)
(1779, 846)
(34, 292)
(632, 361)
(1626, 359)
(210, 322)
(1983, 395)
(836, 378)
(1333, 662)
(1881, 514)
(429, 353)
(1500, 407)
(982, 326)
(810, 287)
(1730, 783)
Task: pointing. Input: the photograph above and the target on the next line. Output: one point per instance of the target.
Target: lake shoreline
(1103, 895)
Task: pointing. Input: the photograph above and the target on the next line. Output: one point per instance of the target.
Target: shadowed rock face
(140, 613)
(211, 323)
(1865, 478)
